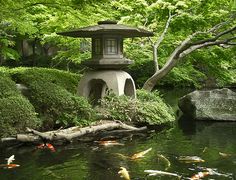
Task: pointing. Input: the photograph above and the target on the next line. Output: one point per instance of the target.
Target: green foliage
(67, 80)
(38, 22)
(147, 108)
(8, 87)
(191, 16)
(184, 76)
(16, 112)
(52, 92)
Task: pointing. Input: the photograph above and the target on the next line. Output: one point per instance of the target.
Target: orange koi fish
(199, 175)
(124, 173)
(46, 146)
(11, 166)
(140, 154)
(109, 143)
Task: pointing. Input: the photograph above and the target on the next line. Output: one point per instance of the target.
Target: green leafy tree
(181, 27)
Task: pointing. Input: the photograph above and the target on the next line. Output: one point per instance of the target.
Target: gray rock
(22, 88)
(218, 104)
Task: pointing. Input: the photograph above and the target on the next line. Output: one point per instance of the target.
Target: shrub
(65, 79)
(16, 112)
(58, 105)
(52, 92)
(7, 87)
(147, 108)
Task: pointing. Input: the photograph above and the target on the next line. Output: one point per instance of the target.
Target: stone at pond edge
(217, 104)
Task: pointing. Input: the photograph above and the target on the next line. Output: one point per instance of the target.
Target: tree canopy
(28, 36)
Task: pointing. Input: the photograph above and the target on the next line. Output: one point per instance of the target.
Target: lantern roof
(108, 28)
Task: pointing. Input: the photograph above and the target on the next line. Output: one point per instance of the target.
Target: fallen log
(72, 133)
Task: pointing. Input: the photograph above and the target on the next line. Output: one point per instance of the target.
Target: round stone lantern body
(96, 84)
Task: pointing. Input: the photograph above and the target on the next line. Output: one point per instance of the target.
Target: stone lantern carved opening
(97, 90)
(129, 89)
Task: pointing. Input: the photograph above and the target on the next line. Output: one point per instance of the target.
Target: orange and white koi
(46, 146)
(200, 175)
(124, 173)
(109, 143)
(140, 154)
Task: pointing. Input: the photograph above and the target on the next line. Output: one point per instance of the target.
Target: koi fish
(140, 154)
(10, 166)
(224, 154)
(10, 159)
(165, 160)
(156, 172)
(124, 173)
(200, 175)
(46, 146)
(109, 143)
(190, 159)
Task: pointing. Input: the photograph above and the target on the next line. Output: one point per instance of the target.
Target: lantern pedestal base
(96, 84)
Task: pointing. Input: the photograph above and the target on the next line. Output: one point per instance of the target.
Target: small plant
(147, 108)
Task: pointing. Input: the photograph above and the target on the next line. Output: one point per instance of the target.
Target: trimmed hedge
(53, 94)
(16, 112)
(67, 80)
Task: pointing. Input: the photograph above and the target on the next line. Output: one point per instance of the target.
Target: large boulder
(218, 104)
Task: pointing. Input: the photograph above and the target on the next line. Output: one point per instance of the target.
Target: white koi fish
(156, 172)
(10, 159)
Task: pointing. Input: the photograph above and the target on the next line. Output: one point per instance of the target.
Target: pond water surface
(215, 143)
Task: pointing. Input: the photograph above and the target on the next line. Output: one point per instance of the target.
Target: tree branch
(161, 38)
(195, 47)
(185, 48)
(217, 36)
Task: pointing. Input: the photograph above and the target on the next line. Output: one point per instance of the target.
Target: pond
(213, 142)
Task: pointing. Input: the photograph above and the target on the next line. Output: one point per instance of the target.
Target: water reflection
(90, 161)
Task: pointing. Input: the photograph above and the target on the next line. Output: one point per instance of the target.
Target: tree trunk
(155, 57)
(152, 81)
(226, 37)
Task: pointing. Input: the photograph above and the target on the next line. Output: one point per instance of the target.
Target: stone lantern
(107, 60)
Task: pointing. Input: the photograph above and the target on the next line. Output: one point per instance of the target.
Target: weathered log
(72, 133)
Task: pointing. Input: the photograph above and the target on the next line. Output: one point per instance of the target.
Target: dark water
(93, 162)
